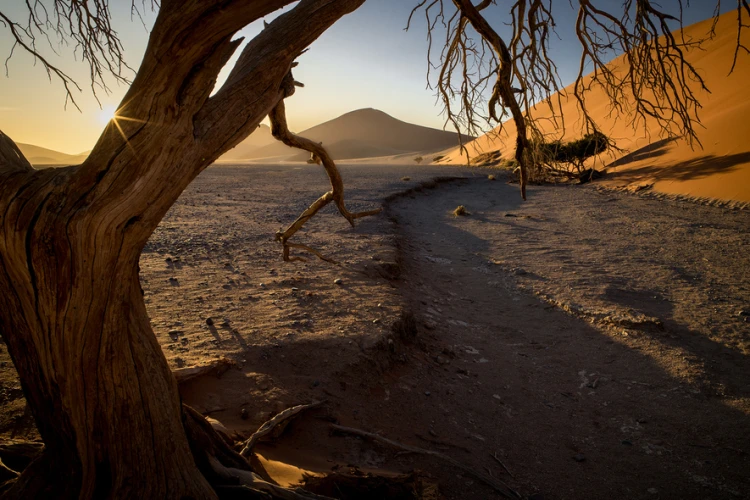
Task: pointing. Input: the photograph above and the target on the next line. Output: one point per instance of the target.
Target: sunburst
(113, 115)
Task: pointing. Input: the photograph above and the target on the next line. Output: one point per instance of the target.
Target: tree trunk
(71, 307)
(95, 378)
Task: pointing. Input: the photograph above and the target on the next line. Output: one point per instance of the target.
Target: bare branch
(743, 8)
(280, 131)
(653, 80)
(85, 27)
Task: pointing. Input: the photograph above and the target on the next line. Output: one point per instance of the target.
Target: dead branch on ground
(496, 484)
(269, 426)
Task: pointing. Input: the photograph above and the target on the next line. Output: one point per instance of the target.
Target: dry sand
(721, 169)
(593, 342)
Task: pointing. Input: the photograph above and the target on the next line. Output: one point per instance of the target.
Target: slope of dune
(42, 156)
(244, 150)
(364, 133)
(721, 169)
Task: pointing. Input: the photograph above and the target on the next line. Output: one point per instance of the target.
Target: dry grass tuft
(491, 177)
(460, 210)
(405, 179)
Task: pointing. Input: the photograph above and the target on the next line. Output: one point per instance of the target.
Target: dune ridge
(38, 155)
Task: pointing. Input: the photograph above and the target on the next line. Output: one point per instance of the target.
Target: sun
(106, 114)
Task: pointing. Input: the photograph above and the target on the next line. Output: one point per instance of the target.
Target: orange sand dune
(721, 169)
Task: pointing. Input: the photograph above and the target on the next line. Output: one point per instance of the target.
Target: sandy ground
(594, 342)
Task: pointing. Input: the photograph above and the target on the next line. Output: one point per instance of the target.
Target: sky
(366, 60)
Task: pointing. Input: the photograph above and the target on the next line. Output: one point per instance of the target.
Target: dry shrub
(460, 210)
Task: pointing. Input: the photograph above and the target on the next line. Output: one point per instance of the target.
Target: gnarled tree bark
(71, 306)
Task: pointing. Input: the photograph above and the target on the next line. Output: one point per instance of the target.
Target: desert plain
(592, 342)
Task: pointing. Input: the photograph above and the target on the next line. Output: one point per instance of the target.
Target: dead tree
(520, 77)
(71, 307)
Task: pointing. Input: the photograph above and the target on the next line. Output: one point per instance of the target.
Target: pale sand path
(663, 412)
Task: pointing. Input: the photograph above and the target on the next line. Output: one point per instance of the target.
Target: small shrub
(418, 159)
(438, 158)
(405, 179)
(573, 153)
(460, 211)
(491, 177)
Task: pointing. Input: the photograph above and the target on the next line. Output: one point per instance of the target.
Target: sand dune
(43, 156)
(721, 169)
(365, 133)
(244, 150)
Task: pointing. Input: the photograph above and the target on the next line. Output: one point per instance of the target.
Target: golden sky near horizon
(364, 60)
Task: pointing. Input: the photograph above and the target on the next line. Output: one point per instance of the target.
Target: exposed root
(228, 472)
(248, 485)
(6, 474)
(318, 154)
(496, 484)
(18, 454)
(217, 368)
(269, 426)
(365, 486)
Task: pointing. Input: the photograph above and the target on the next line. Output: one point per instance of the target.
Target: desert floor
(583, 344)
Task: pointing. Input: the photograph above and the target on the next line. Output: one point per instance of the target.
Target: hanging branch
(743, 7)
(83, 25)
(280, 131)
(655, 82)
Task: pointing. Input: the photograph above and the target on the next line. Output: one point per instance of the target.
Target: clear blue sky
(365, 60)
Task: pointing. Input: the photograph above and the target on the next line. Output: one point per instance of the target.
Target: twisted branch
(280, 131)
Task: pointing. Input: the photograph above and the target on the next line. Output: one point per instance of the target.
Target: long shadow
(695, 168)
(701, 408)
(653, 150)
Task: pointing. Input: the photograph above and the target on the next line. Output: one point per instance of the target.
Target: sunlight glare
(106, 114)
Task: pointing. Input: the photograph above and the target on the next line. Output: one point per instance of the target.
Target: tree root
(228, 472)
(496, 484)
(266, 428)
(318, 153)
(216, 367)
(17, 454)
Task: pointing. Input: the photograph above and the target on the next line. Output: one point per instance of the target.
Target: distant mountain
(365, 133)
(244, 150)
(43, 156)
